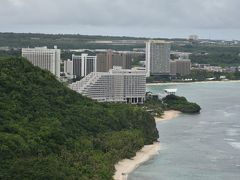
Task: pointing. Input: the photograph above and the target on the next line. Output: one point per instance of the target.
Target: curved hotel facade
(117, 85)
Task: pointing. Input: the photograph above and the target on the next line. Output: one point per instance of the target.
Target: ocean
(205, 146)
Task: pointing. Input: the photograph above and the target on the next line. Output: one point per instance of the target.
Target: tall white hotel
(48, 59)
(158, 57)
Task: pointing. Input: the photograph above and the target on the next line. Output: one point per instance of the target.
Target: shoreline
(126, 166)
(197, 82)
(168, 115)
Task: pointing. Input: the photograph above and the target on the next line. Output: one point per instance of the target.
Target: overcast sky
(215, 19)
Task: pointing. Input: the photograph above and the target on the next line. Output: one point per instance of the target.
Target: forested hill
(64, 41)
(47, 131)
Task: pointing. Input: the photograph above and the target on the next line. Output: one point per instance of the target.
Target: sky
(209, 19)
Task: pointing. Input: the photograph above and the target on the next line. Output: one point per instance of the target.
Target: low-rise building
(207, 67)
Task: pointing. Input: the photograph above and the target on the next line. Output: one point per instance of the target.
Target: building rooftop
(160, 41)
(170, 91)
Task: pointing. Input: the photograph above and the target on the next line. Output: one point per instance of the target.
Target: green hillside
(217, 54)
(181, 104)
(63, 41)
(48, 131)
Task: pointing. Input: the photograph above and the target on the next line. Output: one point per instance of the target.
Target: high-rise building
(48, 59)
(83, 65)
(106, 61)
(173, 68)
(117, 85)
(158, 57)
(181, 67)
(68, 67)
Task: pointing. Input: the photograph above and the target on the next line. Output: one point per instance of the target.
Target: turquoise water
(199, 147)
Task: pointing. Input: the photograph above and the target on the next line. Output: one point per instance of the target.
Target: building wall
(182, 67)
(77, 66)
(173, 68)
(48, 59)
(158, 57)
(83, 65)
(68, 67)
(106, 61)
(117, 85)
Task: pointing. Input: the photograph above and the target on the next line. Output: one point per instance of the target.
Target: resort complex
(119, 90)
(107, 75)
(117, 85)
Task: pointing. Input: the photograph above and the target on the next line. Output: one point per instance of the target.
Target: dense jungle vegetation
(171, 102)
(48, 131)
(178, 103)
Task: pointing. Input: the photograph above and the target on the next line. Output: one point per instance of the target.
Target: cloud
(142, 14)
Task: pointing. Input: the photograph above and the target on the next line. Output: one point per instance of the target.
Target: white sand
(126, 166)
(168, 115)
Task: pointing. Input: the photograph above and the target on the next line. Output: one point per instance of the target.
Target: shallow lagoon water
(199, 147)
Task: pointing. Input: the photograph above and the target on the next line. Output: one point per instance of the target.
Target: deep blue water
(199, 147)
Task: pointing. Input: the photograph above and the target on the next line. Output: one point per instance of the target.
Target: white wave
(236, 145)
(227, 114)
(215, 123)
(232, 132)
(236, 126)
(229, 139)
(203, 122)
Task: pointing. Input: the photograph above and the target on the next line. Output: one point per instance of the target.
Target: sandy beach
(168, 115)
(126, 166)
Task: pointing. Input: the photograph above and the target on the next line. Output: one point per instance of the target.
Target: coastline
(168, 115)
(126, 166)
(197, 82)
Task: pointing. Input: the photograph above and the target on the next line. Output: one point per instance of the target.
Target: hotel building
(117, 85)
(48, 59)
(158, 57)
(68, 68)
(83, 64)
(181, 67)
(106, 61)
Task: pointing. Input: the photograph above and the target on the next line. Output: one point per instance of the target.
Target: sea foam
(236, 145)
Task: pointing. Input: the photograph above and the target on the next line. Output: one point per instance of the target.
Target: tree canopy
(181, 104)
(48, 131)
